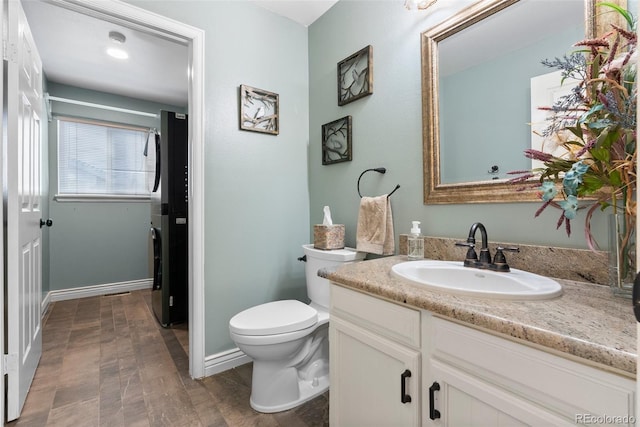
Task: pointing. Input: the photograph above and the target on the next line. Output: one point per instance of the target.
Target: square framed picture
(259, 110)
(355, 76)
(336, 141)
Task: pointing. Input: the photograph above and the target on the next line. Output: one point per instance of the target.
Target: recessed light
(117, 53)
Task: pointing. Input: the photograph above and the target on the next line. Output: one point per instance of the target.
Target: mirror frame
(435, 192)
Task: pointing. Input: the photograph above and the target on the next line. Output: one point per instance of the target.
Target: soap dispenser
(415, 242)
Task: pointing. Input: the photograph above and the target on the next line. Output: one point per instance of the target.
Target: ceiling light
(117, 53)
(118, 39)
(419, 4)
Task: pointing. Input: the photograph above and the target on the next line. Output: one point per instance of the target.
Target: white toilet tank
(318, 287)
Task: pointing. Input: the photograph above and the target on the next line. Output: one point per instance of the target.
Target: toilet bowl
(288, 340)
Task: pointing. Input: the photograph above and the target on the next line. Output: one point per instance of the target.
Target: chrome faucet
(484, 262)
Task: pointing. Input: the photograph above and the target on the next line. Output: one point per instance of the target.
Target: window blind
(100, 159)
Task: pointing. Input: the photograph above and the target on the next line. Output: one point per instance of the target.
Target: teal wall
(263, 192)
(94, 243)
(256, 185)
(387, 130)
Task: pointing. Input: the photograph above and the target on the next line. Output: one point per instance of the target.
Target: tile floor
(107, 362)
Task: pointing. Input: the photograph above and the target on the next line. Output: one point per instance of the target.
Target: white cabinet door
(515, 378)
(368, 376)
(464, 400)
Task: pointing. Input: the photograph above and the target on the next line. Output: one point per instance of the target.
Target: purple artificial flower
(530, 153)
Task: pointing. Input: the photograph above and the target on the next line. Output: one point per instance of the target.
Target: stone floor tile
(80, 413)
(107, 362)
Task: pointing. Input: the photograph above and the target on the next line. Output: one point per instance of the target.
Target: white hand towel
(375, 226)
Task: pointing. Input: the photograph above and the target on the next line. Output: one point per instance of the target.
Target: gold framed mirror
(486, 186)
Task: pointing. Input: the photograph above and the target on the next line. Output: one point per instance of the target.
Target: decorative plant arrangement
(595, 125)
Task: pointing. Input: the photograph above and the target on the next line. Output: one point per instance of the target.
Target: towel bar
(379, 170)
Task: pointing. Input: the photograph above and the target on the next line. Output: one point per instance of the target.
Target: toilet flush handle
(302, 258)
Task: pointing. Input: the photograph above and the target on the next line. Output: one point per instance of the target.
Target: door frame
(150, 22)
(3, 367)
(637, 402)
(637, 406)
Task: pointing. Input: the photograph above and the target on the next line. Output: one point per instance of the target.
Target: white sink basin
(453, 277)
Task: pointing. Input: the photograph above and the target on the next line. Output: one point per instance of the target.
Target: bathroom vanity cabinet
(375, 361)
(459, 375)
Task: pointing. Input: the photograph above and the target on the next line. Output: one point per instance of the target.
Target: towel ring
(379, 170)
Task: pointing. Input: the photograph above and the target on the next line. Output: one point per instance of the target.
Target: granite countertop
(586, 322)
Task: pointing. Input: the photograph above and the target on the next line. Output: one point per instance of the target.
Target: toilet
(288, 340)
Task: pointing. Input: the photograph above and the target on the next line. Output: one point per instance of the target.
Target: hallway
(107, 362)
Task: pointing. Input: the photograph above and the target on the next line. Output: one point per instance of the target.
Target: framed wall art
(259, 110)
(355, 76)
(336, 141)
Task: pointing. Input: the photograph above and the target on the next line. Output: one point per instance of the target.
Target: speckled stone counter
(587, 322)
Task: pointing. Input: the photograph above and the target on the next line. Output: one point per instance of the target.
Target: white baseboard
(95, 290)
(216, 363)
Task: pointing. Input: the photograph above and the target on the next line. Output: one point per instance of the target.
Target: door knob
(48, 222)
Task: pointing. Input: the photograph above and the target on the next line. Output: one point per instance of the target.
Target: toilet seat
(273, 318)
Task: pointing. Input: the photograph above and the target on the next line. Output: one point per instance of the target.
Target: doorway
(160, 27)
(193, 38)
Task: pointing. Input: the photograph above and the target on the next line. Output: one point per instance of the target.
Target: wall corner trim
(44, 305)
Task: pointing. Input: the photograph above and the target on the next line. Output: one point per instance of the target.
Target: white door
(24, 248)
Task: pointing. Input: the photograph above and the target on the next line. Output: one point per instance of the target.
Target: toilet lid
(272, 318)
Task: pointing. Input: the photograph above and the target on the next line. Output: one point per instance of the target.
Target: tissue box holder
(328, 237)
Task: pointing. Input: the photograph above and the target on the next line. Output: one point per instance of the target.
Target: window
(99, 159)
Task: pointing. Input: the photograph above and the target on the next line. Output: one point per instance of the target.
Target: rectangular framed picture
(259, 110)
(355, 76)
(336, 141)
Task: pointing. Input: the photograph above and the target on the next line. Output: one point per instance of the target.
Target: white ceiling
(304, 12)
(72, 46)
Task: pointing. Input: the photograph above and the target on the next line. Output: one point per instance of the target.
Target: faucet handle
(466, 244)
(500, 261)
(471, 258)
(508, 249)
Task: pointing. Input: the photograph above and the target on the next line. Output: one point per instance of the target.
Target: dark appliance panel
(174, 163)
(169, 232)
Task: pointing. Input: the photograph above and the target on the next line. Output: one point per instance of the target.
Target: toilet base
(307, 390)
(289, 373)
